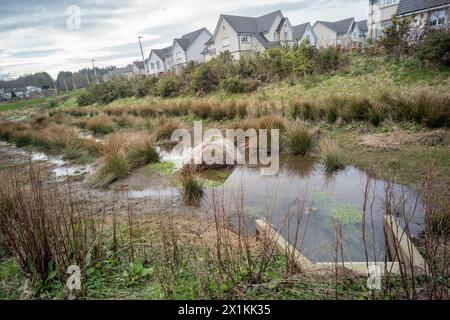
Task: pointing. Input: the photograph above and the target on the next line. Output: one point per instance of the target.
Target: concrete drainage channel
(405, 256)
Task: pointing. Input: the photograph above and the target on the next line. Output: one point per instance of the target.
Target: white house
(346, 33)
(188, 48)
(304, 32)
(380, 15)
(243, 35)
(432, 13)
(158, 61)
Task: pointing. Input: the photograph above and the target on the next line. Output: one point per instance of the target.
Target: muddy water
(307, 206)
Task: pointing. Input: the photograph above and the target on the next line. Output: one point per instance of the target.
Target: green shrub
(169, 86)
(145, 85)
(435, 48)
(203, 80)
(238, 84)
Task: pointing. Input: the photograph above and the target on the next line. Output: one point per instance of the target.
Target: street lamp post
(95, 72)
(142, 53)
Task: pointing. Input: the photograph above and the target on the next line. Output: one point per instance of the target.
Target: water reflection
(304, 203)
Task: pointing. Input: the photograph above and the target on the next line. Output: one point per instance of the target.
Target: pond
(308, 206)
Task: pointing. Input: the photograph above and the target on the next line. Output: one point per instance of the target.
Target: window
(152, 65)
(389, 2)
(437, 17)
(308, 37)
(178, 55)
(285, 35)
(244, 38)
(339, 37)
(158, 64)
(226, 42)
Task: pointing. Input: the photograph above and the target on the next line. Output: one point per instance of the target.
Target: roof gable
(341, 26)
(362, 25)
(266, 21)
(299, 30)
(411, 6)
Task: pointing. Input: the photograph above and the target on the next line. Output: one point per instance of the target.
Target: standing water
(307, 207)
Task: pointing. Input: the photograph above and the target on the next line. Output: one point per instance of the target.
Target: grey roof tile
(299, 30)
(362, 25)
(162, 53)
(341, 26)
(410, 6)
(253, 25)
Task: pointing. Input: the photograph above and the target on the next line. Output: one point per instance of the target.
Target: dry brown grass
(101, 124)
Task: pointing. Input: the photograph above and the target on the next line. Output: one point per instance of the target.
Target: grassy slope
(35, 102)
(368, 77)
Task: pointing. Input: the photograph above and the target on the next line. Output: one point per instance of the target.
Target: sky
(65, 35)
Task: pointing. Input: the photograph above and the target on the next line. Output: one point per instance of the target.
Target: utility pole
(74, 86)
(87, 78)
(95, 72)
(142, 53)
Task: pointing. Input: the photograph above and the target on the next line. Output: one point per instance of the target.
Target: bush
(169, 86)
(435, 48)
(238, 84)
(145, 85)
(106, 92)
(203, 80)
(299, 140)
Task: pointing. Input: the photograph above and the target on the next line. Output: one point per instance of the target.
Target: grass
(332, 155)
(299, 140)
(122, 153)
(191, 186)
(160, 167)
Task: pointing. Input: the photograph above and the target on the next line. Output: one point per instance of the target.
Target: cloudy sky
(56, 35)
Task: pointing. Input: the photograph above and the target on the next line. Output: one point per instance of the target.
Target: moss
(346, 214)
(166, 168)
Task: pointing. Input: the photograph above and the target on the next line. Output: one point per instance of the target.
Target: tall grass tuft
(115, 162)
(165, 127)
(121, 154)
(101, 124)
(299, 140)
(191, 186)
(46, 230)
(332, 155)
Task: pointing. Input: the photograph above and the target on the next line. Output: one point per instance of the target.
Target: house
(433, 13)
(380, 15)
(304, 32)
(127, 71)
(187, 48)
(243, 35)
(346, 33)
(158, 61)
(138, 67)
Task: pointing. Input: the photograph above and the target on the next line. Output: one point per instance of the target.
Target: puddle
(154, 193)
(301, 192)
(64, 171)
